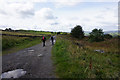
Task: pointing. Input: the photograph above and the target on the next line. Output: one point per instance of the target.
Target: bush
(51, 32)
(64, 33)
(77, 32)
(96, 35)
(58, 33)
(107, 36)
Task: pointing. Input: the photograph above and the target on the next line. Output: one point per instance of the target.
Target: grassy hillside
(35, 33)
(113, 33)
(77, 59)
(12, 44)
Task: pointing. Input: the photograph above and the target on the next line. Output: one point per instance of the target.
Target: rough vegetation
(75, 58)
(73, 54)
(96, 35)
(108, 36)
(12, 44)
(11, 41)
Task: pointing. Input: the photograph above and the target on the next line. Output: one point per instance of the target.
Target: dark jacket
(52, 38)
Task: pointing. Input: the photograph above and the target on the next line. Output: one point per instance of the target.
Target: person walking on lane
(43, 39)
(52, 39)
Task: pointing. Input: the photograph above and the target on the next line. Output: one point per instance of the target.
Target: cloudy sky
(62, 15)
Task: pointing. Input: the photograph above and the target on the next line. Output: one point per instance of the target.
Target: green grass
(74, 62)
(60, 57)
(35, 33)
(12, 44)
(11, 41)
(115, 34)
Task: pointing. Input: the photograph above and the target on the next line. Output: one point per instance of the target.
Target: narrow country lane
(36, 61)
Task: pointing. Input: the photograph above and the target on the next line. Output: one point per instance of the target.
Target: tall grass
(38, 33)
(12, 44)
(11, 41)
(72, 61)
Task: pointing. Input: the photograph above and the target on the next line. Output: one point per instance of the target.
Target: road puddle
(40, 55)
(13, 74)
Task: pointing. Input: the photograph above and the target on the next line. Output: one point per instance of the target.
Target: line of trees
(96, 35)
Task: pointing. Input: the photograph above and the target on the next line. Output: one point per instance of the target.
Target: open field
(75, 58)
(109, 45)
(35, 33)
(12, 44)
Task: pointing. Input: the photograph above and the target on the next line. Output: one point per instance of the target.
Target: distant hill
(113, 33)
(87, 32)
(107, 32)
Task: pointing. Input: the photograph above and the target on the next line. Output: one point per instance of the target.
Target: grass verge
(13, 44)
(72, 61)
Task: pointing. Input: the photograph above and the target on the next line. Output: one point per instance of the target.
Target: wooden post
(90, 65)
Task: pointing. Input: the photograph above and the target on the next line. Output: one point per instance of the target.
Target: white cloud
(67, 3)
(89, 19)
(63, 3)
(45, 13)
(22, 15)
(16, 9)
(45, 18)
(25, 0)
(100, 0)
(61, 0)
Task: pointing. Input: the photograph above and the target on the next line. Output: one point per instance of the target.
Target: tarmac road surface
(36, 61)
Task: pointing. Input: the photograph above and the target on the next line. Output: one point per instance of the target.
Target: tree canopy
(96, 35)
(77, 32)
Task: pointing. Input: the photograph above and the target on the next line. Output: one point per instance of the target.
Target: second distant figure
(52, 39)
(43, 39)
